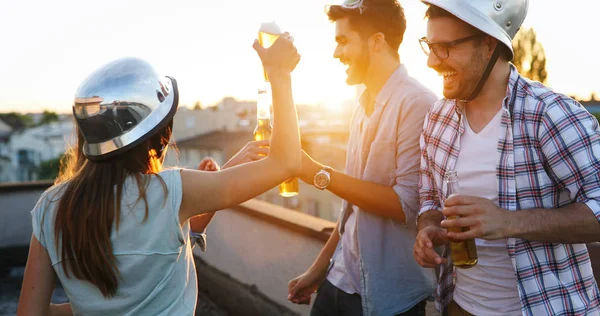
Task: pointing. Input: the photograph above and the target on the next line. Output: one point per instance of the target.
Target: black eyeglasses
(442, 49)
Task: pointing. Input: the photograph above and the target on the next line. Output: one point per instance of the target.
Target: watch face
(321, 180)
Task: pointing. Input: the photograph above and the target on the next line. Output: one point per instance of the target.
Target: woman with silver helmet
(115, 231)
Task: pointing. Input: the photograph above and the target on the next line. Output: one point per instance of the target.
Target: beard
(358, 69)
(463, 86)
(473, 75)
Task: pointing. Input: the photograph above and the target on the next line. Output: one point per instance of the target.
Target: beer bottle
(263, 116)
(464, 253)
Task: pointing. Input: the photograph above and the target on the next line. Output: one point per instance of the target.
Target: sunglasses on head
(353, 4)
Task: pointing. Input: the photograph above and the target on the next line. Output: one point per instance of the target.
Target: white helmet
(500, 19)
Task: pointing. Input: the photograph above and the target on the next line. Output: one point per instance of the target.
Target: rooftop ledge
(293, 220)
(25, 186)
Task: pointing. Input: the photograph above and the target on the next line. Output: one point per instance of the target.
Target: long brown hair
(90, 204)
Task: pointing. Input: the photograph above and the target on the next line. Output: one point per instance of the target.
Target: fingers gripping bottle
(464, 253)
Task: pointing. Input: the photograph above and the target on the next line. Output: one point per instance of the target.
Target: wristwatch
(323, 178)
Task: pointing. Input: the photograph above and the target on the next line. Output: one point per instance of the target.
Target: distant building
(5, 164)
(220, 145)
(29, 147)
(228, 115)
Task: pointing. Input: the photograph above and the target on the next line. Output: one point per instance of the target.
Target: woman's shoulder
(170, 176)
(44, 211)
(47, 202)
(51, 195)
(166, 183)
(170, 171)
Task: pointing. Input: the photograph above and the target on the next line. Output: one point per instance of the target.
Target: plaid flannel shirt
(549, 157)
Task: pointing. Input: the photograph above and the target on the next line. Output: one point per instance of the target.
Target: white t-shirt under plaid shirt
(549, 157)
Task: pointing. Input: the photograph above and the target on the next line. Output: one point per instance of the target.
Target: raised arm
(210, 191)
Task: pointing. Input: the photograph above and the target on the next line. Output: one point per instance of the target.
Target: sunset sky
(48, 47)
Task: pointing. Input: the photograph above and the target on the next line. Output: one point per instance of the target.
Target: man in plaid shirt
(528, 163)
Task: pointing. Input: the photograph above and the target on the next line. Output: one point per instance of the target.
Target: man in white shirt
(372, 271)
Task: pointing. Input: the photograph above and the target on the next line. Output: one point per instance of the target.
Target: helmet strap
(485, 75)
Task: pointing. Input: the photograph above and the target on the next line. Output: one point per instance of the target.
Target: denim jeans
(331, 301)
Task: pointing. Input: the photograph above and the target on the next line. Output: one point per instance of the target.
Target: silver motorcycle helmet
(500, 19)
(122, 104)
